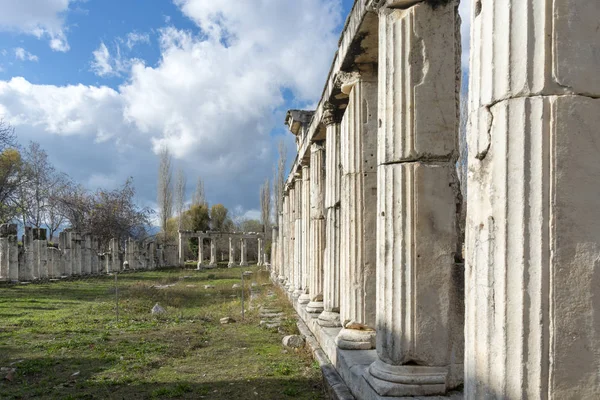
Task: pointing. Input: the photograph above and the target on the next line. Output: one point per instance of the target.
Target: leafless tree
(165, 189)
(199, 195)
(7, 135)
(279, 179)
(180, 184)
(265, 204)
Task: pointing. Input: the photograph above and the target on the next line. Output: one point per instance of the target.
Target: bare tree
(165, 189)
(38, 176)
(180, 184)
(7, 135)
(199, 195)
(265, 204)
(279, 179)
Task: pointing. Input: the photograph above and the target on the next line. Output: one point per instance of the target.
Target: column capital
(330, 116)
(346, 80)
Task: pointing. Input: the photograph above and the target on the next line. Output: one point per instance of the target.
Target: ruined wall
(75, 255)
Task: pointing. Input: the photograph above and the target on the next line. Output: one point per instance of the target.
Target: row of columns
(381, 249)
(213, 252)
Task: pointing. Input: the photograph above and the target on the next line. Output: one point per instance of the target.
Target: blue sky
(103, 84)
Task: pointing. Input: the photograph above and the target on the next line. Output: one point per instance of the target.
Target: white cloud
(213, 98)
(134, 38)
(41, 18)
(24, 55)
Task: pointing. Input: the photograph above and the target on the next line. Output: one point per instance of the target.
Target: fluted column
(305, 245)
(243, 253)
(533, 228)
(419, 296)
(200, 252)
(26, 269)
(358, 142)
(291, 240)
(298, 237)
(260, 253)
(275, 249)
(213, 253)
(231, 262)
(330, 316)
(283, 238)
(317, 227)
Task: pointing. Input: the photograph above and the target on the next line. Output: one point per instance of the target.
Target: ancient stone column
(115, 264)
(305, 245)
(231, 263)
(36, 253)
(317, 227)
(260, 260)
(298, 237)
(274, 250)
(243, 253)
(533, 228)
(419, 296)
(290, 269)
(358, 142)
(281, 243)
(330, 317)
(200, 253)
(26, 268)
(13, 256)
(4, 276)
(181, 250)
(86, 264)
(42, 254)
(95, 260)
(213, 253)
(76, 253)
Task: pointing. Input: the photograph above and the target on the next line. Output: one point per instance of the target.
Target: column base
(200, 266)
(231, 265)
(354, 339)
(297, 293)
(329, 319)
(315, 307)
(406, 380)
(304, 298)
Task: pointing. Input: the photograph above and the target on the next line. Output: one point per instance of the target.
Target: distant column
(243, 253)
(4, 252)
(26, 268)
(330, 317)
(13, 255)
(317, 227)
(200, 252)
(86, 264)
(298, 238)
(231, 263)
(213, 253)
(305, 245)
(260, 259)
(181, 250)
(292, 239)
(42, 254)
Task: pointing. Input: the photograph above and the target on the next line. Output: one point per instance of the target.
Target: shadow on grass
(82, 378)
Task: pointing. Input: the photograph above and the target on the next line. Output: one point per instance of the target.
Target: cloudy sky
(103, 84)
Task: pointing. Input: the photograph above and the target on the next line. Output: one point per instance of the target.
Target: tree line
(34, 193)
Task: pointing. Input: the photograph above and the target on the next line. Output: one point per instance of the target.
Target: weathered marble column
(114, 256)
(305, 245)
(26, 268)
(358, 142)
(260, 251)
(290, 270)
(243, 253)
(86, 265)
(283, 238)
(200, 252)
(3, 256)
(213, 253)
(298, 238)
(533, 227)
(231, 262)
(13, 255)
(330, 317)
(95, 260)
(317, 227)
(419, 284)
(54, 255)
(76, 253)
(41, 245)
(9, 272)
(274, 250)
(181, 249)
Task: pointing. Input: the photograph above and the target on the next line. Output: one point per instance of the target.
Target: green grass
(64, 340)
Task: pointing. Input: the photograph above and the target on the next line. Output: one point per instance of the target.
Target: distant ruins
(211, 237)
(75, 255)
(406, 295)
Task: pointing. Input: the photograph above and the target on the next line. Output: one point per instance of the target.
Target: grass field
(64, 342)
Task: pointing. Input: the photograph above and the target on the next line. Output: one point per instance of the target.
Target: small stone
(254, 284)
(209, 286)
(236, 286)
(157, 309)
(293, 341)
(226, 320)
